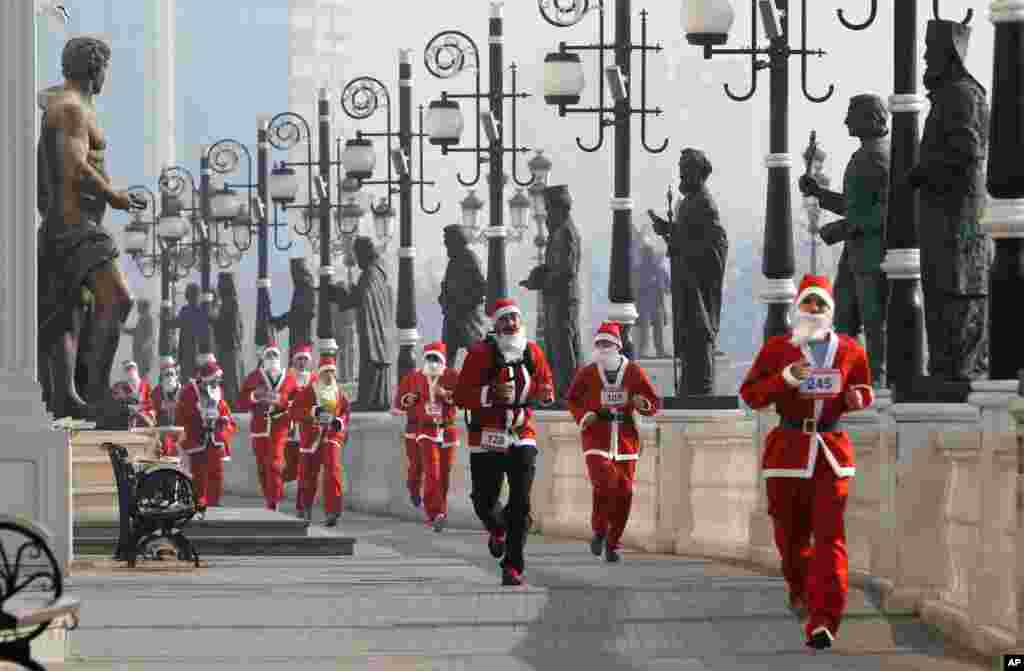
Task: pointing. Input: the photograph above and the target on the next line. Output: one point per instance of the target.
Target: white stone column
(35, 463)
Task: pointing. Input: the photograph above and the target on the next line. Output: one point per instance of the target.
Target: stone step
(219, 522)
(211, 546)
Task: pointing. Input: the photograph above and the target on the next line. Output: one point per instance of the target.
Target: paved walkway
(412, 599)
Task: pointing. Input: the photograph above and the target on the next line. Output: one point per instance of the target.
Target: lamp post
(447, 54)
(563, 83)
(162, 236)
(707, 24)
(540, 167)
(360, 99)
(286, 130)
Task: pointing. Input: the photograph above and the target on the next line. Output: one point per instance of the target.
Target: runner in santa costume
(323, 411)
(501, 375)
(425, 396)
(208, 425)
(302, 370)
(603, 398)
(165, 398)
(267, 394)
(812, 375)
(136, 394)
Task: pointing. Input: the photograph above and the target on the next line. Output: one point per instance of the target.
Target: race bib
(494, 441)
(434, 409)
(613, 397)
(822, 383)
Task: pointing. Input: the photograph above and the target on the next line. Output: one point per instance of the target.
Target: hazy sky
(232, 62)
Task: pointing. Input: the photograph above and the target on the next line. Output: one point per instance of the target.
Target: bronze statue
(651, 281)
(372, 300)
(299, 318)
(463, 291)
(861, 287)
(142, 338)
(192, 327)
(77, 256)
(228, 334)
(558, 281)
(697, 247)
(955, 257)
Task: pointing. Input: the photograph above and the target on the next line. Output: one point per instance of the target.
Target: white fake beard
(134, 380)
(169, 386)
(326, 392)
(213, 394)
(512, 346)
(608, 360)
(433, 369)
(273, 367)
(810, 327)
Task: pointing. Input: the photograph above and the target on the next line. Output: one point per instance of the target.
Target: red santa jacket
(256, 384)
(430, 416)
(190, 415)
(791, 452)
(314, 434)
(164, 412)
(476, 387)
(138, 398)
(295, 428)
(590, 391)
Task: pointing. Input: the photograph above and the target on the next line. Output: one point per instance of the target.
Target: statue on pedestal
(192, 327)
(558, 281)
(651, 281)
(142, 338)
(372, 300)
(299, 318)
(697, 247)
(77, 256)
(955, 256)
(861, 287)
(463, 291)
(228, 334)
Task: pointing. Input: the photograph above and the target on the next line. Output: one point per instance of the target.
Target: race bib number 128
(494, 441)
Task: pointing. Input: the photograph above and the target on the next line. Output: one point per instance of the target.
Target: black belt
(808, 425)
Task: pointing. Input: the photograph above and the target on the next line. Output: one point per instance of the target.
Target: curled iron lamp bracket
(935, 13)
(873, 12)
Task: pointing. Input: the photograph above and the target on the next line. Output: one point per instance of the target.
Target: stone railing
(932, 518)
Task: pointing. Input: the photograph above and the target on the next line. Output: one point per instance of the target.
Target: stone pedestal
(35, 464)
(662, 375)
(92, 476)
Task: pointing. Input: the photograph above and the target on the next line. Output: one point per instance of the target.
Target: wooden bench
(32, 590)
(155, 501)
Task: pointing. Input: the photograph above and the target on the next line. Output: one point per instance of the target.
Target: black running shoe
(821, 639)
(597, 545)
(496, 544)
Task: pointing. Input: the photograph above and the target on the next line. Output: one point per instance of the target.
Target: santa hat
(271, 347)
(502, 307)
(437, 348)
(210, 371)
(609, 332)
(167, 362)
(129, 364)
(327, 362)
(205, 358)
(816, 285)
(303, 350)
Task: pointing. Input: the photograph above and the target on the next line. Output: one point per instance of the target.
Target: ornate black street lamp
(447, 54)
(563, 83)
(162, 237)
(707, 24)
(360, 99)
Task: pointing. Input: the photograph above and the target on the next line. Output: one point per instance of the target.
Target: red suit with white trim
(136, 393)
(323, 412)
(165, 400)
(269, 397)
(426, 397)
(603, 403)
(807, 462)
(208, 426)
(302, 359)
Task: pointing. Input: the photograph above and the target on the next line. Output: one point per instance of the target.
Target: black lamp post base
(708, 402)
(928, 389)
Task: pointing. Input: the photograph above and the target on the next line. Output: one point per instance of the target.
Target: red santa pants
(802, 507)
(414, 467)
(613, 495)
(207, 476)
(436, 466)
(270, 465)
(328, 458)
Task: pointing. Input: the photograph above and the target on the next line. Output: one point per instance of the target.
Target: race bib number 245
(822, 383)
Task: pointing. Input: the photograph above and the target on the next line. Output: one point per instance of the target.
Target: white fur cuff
(584, 418)
(787, 375)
